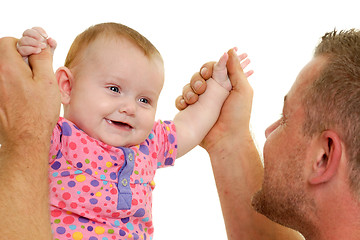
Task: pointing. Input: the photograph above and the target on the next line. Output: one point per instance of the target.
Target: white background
(279, 37)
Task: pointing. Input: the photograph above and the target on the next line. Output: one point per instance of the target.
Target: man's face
(283, 197)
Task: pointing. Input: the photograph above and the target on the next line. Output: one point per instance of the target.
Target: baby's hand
(220, 72)
(33, 41)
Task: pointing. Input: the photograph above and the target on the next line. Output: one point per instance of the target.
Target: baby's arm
(193, 123)
(33, 41)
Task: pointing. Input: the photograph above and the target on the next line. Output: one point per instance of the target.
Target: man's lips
(121, 125)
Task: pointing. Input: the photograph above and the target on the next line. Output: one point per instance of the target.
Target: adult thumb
(42, 65)
(235, 72)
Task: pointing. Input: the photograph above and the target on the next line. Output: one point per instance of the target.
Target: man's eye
(114, 89)
(144, 100)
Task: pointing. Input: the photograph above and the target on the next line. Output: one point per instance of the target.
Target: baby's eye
(114, 89)
(144, 100)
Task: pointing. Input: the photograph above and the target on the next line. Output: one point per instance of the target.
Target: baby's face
(115, 92)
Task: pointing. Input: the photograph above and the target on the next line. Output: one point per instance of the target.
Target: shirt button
(130, 156)
(124, 182)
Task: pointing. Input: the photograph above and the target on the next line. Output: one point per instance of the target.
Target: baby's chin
(122, 142)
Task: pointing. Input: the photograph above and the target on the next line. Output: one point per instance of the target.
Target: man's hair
(83, 40)
(333, 100)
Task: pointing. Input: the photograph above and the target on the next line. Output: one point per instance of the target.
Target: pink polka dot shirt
(101, 192)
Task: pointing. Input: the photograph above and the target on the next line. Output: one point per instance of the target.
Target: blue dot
(102, 177)
(93, 201)
(78, 172)
(151, 136)
(108, 198)
(79, 165)
(72, 227)
(130, 226)
(100, 157)
(55, 174)
(117, 223)
(90, 228)
(88, 171)
(113, 157)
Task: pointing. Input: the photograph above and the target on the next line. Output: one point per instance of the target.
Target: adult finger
(206, 70)
(235, 72)
(10, 57)
(42, 65)
(189, 95)
(198, 84)
(180, 103)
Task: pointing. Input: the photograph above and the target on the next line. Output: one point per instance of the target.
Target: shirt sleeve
(165, 138)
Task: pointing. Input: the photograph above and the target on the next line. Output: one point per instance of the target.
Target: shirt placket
(123, 185)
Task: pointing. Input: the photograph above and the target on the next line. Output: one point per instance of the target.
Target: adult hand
(235, 113)
(234, 158)
(29, 97)
(29, 110)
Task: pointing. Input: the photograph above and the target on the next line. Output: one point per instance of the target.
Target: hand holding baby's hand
(33, 41)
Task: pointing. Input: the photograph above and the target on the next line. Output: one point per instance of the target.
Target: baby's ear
(65, 79)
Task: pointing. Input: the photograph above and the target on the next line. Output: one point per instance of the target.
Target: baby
(106, 149)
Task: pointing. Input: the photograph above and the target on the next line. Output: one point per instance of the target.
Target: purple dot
(83, 220)
(113, 157)
(93, 238)
(79, 165)
(171, 138)
(100, 157)
(88, 171)
(71, 184)
(139, 213)
(60, 230)
(66, 129)
(113, 176)
(94, 183)
(167, 122)
(56, 165)
(108, 198)
(122, 233)
(169, 161)
(65, 174)
(144, 149)
(93, 201)
(90, 228)
(125, 220)
(59, 154)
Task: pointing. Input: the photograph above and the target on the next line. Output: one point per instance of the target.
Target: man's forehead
(308, 75)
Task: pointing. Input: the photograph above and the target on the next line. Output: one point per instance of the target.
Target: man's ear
(328, 157)
(65, 79)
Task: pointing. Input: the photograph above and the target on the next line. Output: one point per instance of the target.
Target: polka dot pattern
(88, 178)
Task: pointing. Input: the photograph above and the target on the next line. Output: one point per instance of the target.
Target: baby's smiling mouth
(122, 125)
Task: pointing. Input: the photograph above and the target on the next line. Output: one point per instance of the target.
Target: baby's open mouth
(120, 124)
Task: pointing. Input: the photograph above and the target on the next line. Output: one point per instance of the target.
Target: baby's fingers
(36, 33)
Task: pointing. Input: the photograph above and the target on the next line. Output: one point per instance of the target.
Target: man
(311, 180)
(25, 131)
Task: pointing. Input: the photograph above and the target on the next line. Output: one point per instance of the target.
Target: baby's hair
(109, 29)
